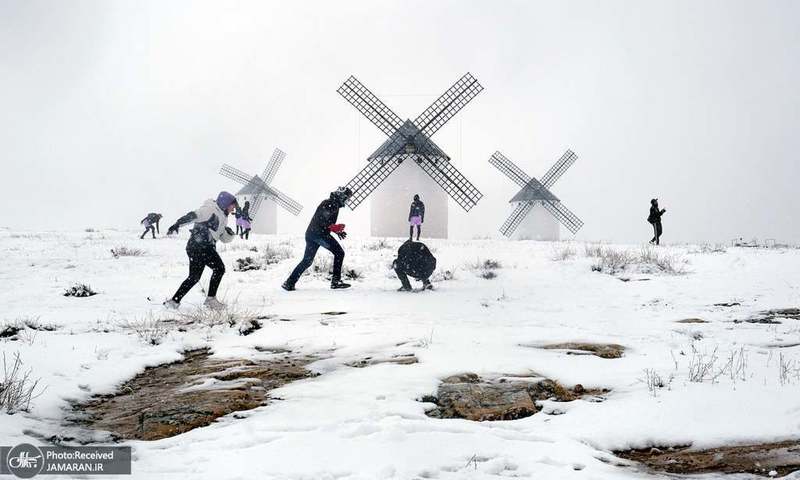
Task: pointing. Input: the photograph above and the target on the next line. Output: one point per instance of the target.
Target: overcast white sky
(112, 109)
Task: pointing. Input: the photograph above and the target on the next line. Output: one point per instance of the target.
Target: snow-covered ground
(367, 423)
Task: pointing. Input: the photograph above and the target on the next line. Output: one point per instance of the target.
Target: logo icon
(25, 460)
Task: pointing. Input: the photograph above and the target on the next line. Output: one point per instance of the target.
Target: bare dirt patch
(691, 320)
(770, 317)
(602, 350)
(727, 304)
(174, 398)
(780, 457)
(470, 397)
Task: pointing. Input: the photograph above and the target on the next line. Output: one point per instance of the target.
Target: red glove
(336, 227)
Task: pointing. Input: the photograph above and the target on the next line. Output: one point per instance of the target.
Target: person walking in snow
(243, 224)
(416, 217)
(415, 260)
(150, 223)
(210, 224)
(318, 234)
(655, 219)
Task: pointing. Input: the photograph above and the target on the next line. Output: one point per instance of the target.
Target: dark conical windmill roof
(534, 190)
(254, 186)
(408, 134)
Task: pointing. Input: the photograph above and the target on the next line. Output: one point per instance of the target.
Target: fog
(113, 109)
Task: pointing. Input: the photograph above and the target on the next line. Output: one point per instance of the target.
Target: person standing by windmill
(243, 224)
(210, 224)
(655, 219)
(318, 234)
(416, 217)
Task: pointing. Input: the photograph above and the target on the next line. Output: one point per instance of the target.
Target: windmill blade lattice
(533, 192)
(558, 168)
(511, 170)
(564, 215)
(410, 141)
(516, 217)
(371, 106)
(448, 104)
(272, 167)
(259, 187)
(452, 181)
(368, 179)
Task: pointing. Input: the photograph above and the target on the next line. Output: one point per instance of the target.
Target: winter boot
(171, 304)
(404, 289)
(213, 303)
(338, 283)
(288, 287)
(427, 285)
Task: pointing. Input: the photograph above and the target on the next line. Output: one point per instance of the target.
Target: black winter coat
(415, 260)
(326, 215)
(655, 214)
(417, 210)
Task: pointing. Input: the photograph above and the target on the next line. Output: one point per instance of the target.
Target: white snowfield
(368, 423)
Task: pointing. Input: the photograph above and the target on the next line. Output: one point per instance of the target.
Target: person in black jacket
(414, 260)
(416, 217)
(150, 223)
(655, 219)
(210, 224)
(318, 234)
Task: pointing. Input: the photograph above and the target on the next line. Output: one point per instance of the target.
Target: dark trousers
(151, 229)
(657, 230)
(313, 242)
(245, 235)
(201, 256)
(403, 276)
(411, 232)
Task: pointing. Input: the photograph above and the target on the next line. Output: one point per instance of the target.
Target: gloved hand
(172, 229)
(336, 227)
(342, 235)
(229, 231)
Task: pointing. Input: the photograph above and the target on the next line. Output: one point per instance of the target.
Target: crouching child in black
(318, 234)
(416, 261)
(210, 224)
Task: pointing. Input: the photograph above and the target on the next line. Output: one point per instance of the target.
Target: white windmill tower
(537, 212)
(263, 197)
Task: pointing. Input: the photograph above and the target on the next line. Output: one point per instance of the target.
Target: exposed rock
(780, 457)
(602, 350)
(170, 399)
(470, 397)
(402, 359)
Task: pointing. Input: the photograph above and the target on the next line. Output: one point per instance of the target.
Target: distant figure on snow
(150, 223)
(655, 219)
(414, 260)
(416, 217)
(243, 221)
(210, 225)
(318, 234)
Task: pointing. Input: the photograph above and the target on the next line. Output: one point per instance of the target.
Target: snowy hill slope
(367, 422)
